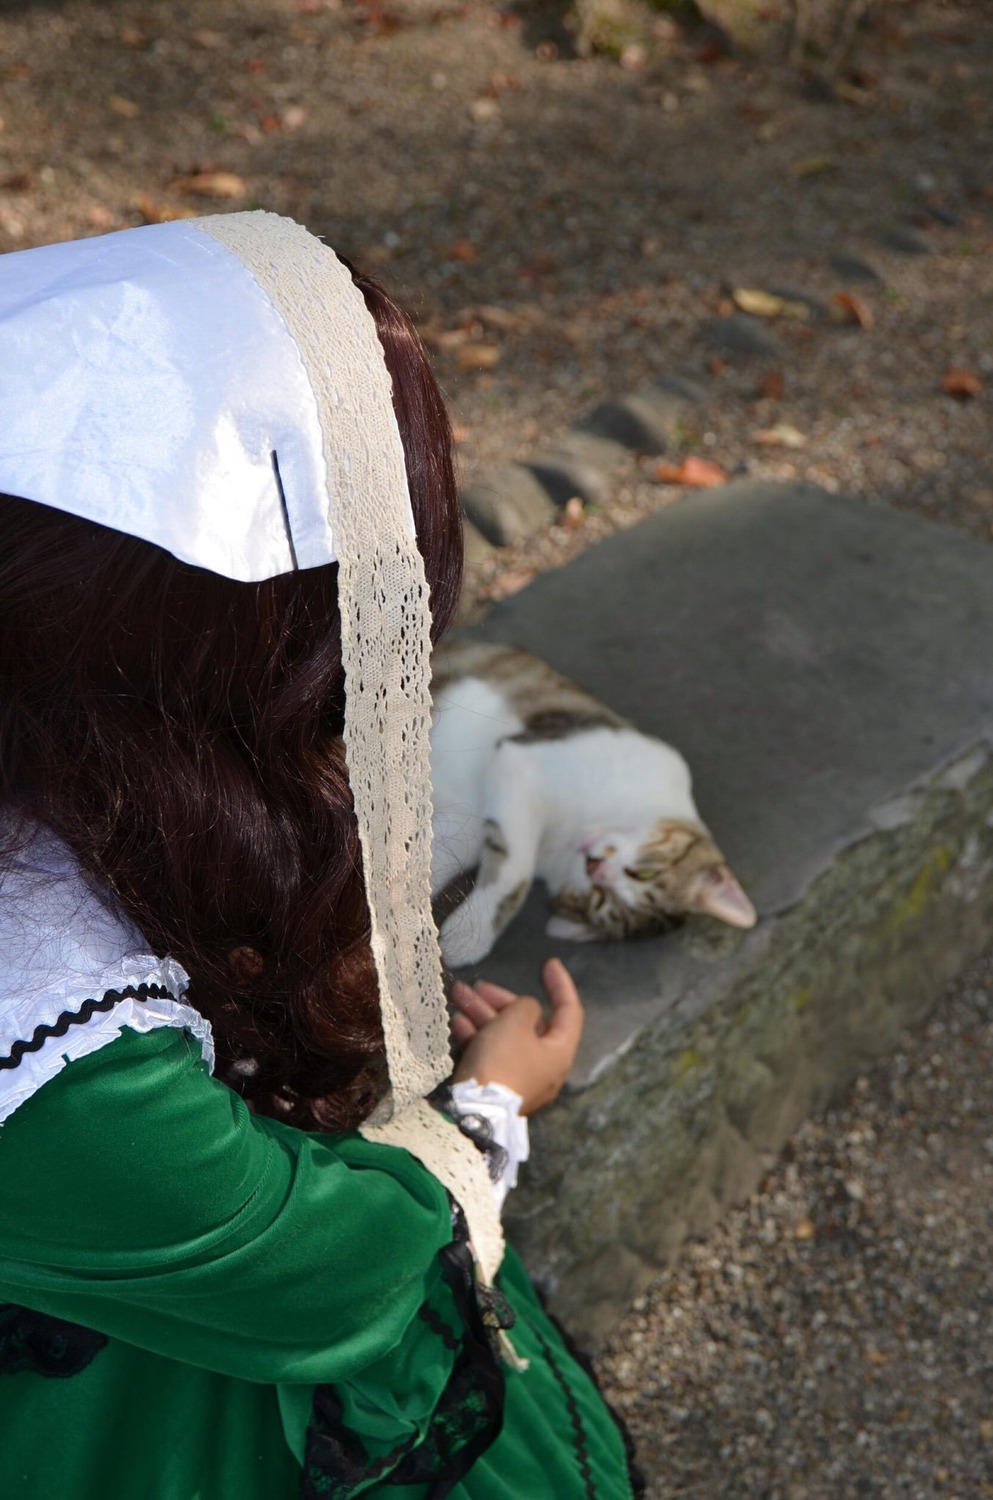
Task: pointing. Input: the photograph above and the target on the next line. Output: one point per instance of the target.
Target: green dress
(200, 1304)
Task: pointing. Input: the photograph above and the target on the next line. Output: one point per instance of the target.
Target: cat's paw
(464, 938)
(570, 931)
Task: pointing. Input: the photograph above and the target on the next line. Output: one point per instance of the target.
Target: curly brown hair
(182, 733)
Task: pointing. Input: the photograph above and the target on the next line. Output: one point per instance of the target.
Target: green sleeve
(142, 1199)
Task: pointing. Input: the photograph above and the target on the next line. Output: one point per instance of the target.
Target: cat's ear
(570, 931)
(719, 895)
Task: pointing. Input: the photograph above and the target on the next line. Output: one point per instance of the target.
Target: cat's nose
(593, 863)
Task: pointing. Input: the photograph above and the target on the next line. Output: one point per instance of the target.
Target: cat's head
(630, 882)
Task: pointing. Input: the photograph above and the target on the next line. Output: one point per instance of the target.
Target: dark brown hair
(181, 733)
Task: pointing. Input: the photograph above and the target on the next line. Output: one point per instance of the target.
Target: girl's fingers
(566, 1023)
(463, 1030)
(495, 994)
(471, 1003)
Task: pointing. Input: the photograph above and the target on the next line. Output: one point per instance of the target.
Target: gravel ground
(565, 229)
(831, 1339)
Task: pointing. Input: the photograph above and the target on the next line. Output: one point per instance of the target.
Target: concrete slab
(826, 666)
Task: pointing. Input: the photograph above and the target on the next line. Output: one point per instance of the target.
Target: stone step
(826, 667)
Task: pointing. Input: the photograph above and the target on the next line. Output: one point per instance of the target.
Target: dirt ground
(564, 229)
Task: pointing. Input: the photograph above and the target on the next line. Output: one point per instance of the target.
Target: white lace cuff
(499, 1107)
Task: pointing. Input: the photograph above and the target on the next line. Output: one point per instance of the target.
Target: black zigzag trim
(78, 1017)
(576, 1421)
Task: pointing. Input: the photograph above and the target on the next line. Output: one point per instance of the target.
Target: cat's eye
(643, 875)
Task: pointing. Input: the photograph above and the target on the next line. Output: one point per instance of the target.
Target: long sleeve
(142, 1199)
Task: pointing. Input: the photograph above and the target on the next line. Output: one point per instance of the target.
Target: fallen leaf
(477, 356)
(771, 385)
(693, 473)
(717, 364)
(130, 36)
(270, 124)
(502, 319)
(573, 515)
(204, 37)
(761, 304)
(293, 117)
(255, 65)
(780, 436)
(507, 584)
(126, 108)
(442, 338)
(18, 182)
(154, 212)
(876, 1357)
(804, 1229)
(962, 384)
(813, 166)
(847, 308)
(463, 250)
(212, 185)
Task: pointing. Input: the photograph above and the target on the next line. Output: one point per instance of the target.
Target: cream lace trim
(386, 649)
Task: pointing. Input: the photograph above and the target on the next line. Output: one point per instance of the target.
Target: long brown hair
(181, 732)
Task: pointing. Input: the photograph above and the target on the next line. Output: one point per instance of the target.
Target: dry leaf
(212, 185)
(154, 212)
(18, 182)
(876, 1357)
(502, 319)
(761, 304)
(207, 39)
(813, 166)
(477, 356)
(130, 36)
(442, 338)
(463, 250)
(717, 364)
(962, 384)
(780, 436)
(804, 1229)
(293, 117)
(693, 473)
(771, 385)
(573, 515)
(126, 108)
(270, 124)
(847, 308)
(507, 583)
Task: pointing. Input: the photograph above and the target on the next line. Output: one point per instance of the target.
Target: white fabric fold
(62, 947)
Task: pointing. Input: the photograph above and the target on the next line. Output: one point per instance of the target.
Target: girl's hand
(506, 1038)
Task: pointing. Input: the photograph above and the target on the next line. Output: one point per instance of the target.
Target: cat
(534, 776)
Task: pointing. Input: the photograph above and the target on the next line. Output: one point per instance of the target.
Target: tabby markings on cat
(534, 777)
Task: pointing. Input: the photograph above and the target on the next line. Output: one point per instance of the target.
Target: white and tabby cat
(533, 776)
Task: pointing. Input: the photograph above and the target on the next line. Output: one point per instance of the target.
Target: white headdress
(216, 386)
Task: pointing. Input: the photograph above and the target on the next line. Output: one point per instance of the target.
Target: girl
(240, 1255)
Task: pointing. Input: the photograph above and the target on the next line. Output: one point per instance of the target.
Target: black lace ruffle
(466, 1421)
(59, 1027)
(475, 1128)
(44, 1345)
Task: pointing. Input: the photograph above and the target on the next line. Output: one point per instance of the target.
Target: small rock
(645, 420)
(508, 504)
(580, 463)
(740, 335)
(854, 269)
(905, 240)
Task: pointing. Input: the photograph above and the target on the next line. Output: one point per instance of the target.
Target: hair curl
(182, 733)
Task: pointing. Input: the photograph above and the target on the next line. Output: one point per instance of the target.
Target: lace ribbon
(383, 599)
